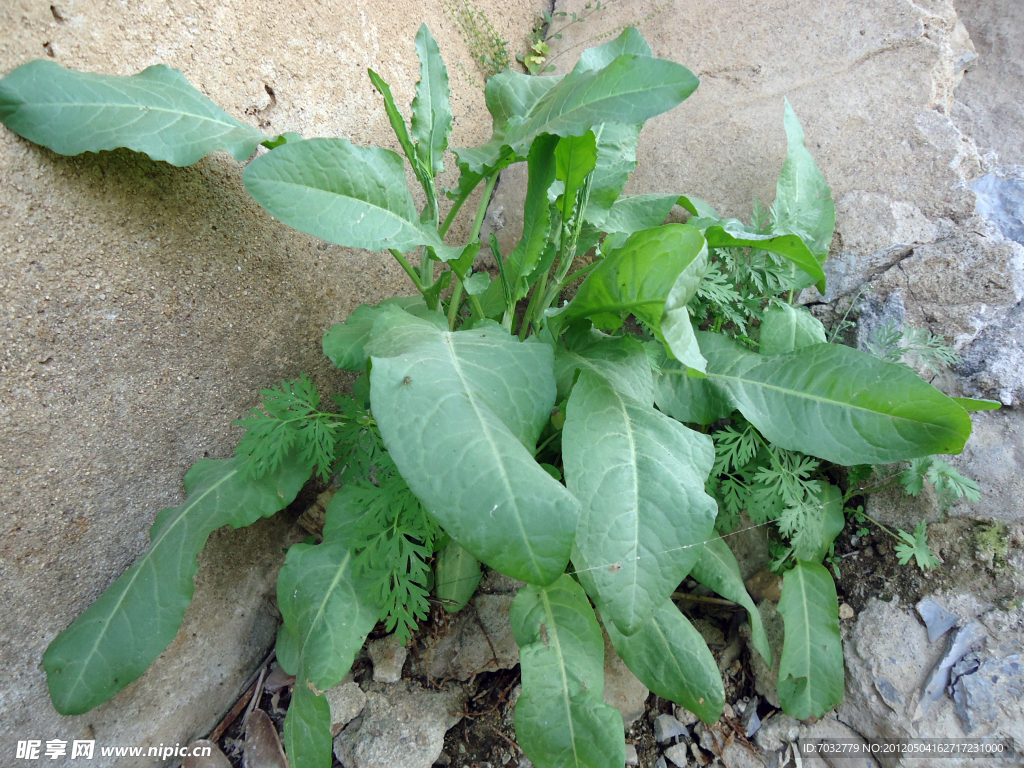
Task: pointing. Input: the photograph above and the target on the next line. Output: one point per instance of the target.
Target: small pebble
(845, 611)
(667, 728)
(677, 754)
(661, 763)
(685, 716)
(727, 710)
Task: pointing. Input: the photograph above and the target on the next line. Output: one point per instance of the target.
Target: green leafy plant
(479, 396)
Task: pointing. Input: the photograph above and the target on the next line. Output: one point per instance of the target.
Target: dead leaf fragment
(262, 744)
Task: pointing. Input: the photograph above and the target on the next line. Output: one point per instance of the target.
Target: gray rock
(479, 639)
(388, 656)
(735, 755)
(994, 685)
(667, 728)
(751, 722)
(678, 753)
(660, 763)
(622, 689)
(936, 618)
(829, 727)
(685, 716)
(631, 756)
(347, 701)
(777, 731)
(402, 726)
(965, 639)
(1000, 201)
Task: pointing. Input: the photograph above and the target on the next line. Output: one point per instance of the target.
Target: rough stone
(110, 393)
(403, 726)
(889, 662)
(936, 619)
(622, 689)
(735, 755)
(388, 655)
(777, 731)
(631, 756)
(478, 640)
(829, 727)
(845, 611)
(347, 701)
(981, 692)
(677, 754)
(765, 585)
(667, 728)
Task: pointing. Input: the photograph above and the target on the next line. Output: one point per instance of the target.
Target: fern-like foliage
(916, 547)
(949, 485)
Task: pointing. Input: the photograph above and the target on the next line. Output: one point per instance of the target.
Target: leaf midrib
(139, 107)
(448, 342)
(553, 636)
(138, 570)
(838, 403)
(320, 611)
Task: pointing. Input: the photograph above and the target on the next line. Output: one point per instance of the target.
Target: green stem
(531, 308)
(481, 209)
(544, 445)
(478, 308)
(400, 258)
(455, 210)
(883, 527)
(453, 307)
(580, 272)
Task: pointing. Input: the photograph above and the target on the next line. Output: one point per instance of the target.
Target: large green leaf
(343, 342)
(803, 201)
(349, 195)
(811, 669)
(616, 159)
(456, 574)
(508, 95)
(639, 476)
(631, 213)
(690, 400)
(671, 658)
(326, 614)
(131, 623)
(431, 110)
(600, 56)
(652, 276)
(460, 413)
(717, 569)
(561, 719)
(785, 328)
(156, 111)
(836, 403)
(621, 360)
(629, 89)
(789, 246)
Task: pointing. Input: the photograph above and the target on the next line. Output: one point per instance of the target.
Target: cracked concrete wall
(145, 306)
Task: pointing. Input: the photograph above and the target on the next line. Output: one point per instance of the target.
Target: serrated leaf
(803, 201)
(789, 246)
(639, 476)
(460, 413)
(431, 110)
(157, 112)
(343, 342)
(457, 574)
(560, 718)
(831, 521)
(307, 729)
(787, 328)
(717, 569)
(132, 622)
(348, 195)
(621, 360)
(671, 658)
(836, 403)
(811, 669)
